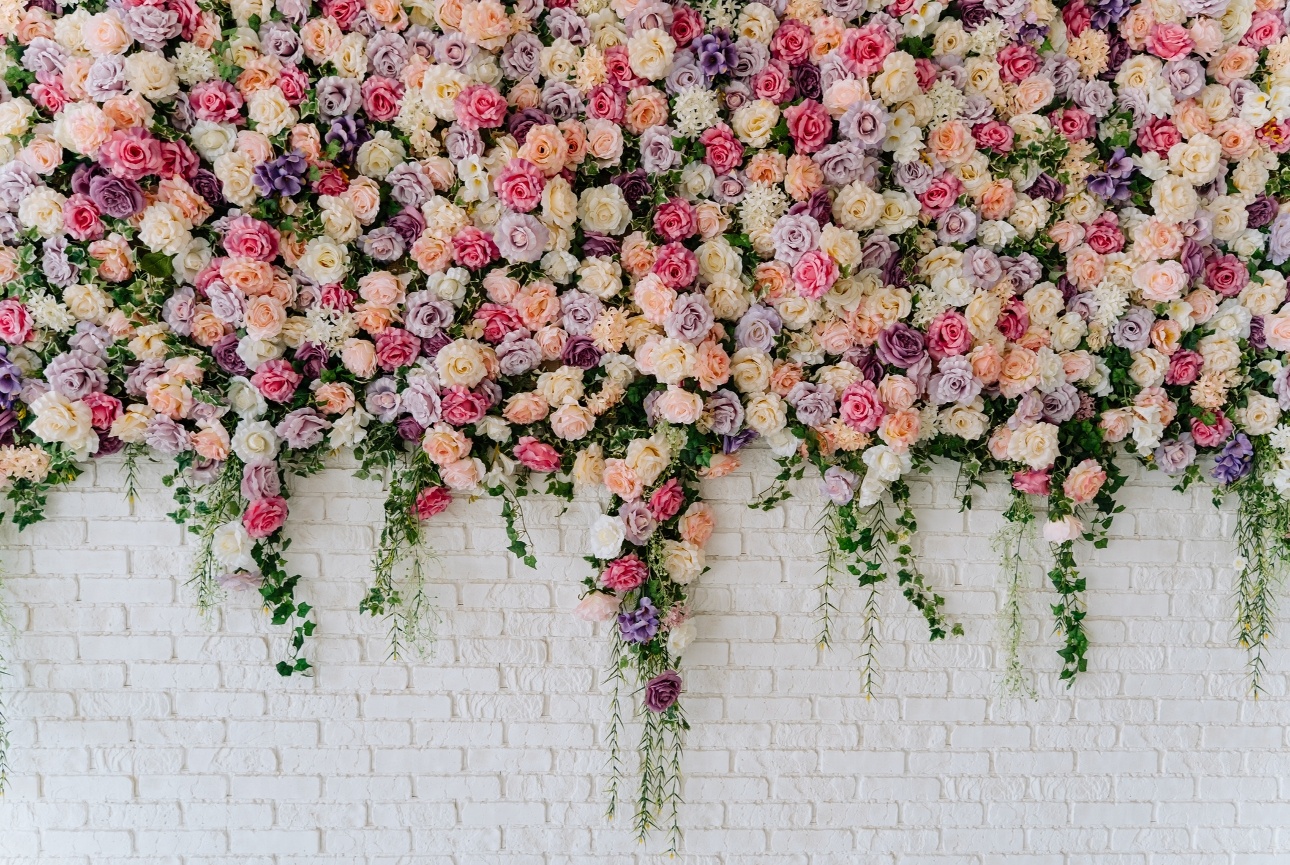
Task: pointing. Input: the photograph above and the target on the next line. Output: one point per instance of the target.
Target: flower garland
(603, 245)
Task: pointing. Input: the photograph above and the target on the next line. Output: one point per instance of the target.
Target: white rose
(680, 638)
(245, 398)
(59, 419)
(379, 155)
(1035, 445)
(682, 561)
(650, 53)
(351, 429)
(254, 352)
(885, 464)
(604, 210)
(607, 536)
(232, 546)
(325, 261)
(255, 440)
(1260, 414)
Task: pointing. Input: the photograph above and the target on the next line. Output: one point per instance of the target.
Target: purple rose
(260, 480)
(1173, 456)
(954, 382)
(638, 523)
(838, 485)
(662, 691)
(76, 373)
(690, 319)
(382, 399)
(723, 412)
(302, 428)
(901, 346)
(1133, 331)
(758, 328)
(225, 354)
(581, 351)
(814, 404)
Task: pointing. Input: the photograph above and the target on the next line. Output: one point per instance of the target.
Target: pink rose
(860, 407)
(809, 124)
(948, 335)
(1104, 236)
(1184, 367)
(1169, 41)
(723, 152)
(865, 48)
(1017, 62)
(941, 195)
(473, 248)
(773, 83)
(665, 502)
(520, 185)
(1211, 435)
(432, 501)
(1075, 124)
(1226, 274)
(1032, 481)
(395, 347)
(606, 102)
(462, 407)
(1265, 28)
(131, 153)
(791, 42)
(994, 136)
(294, 84)
(675, 265)
(277, 380)
(1063, 529)
(624, 574)
(480, 106)
(814, 274)
(216, 102)
(381, 98)
(248, 237)
(1014, 319)
(103, 409)
(81, 218)
(264, 517)
(675, 220)
(498, 321)
(1158, 135)
(537, 456)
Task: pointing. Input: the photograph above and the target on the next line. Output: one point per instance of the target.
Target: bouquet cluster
(605, 244)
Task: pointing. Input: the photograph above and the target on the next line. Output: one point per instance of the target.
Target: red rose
(537, 456)
(395, 347)
(330, 182)
(277, 380)
(666, 501)
(432, 501)
(1077, 17)
(265, 516)
(1226, 275)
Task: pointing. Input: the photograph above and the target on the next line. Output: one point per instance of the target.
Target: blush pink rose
(1184, 367)
(606, 102)
(865, 48)
(537, 456)
(81, 218)
(1169, 41)
(1084, 481)
(814, 274)
(941, 195)
(264, 517)
(381, 98)
(994, 136)
(675, 265)
(216, 101)
(461, 407)
(675, 220)
(861, 409)
(248, 237)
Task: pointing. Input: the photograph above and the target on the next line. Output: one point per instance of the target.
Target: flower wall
(604, 246)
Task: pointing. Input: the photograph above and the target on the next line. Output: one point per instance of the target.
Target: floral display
(603, 245)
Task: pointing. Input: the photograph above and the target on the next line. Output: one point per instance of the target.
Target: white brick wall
(142, 734)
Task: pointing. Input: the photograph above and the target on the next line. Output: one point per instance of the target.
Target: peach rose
(697, 523)
(526, 408)
(359, 357)
(622, 480)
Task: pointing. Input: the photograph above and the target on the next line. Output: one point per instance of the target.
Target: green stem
(1010, 543)
(1069, 611)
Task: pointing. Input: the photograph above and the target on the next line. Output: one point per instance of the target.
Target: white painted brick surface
(143, 735)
